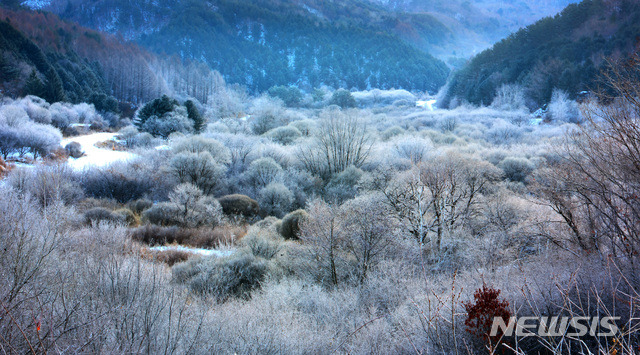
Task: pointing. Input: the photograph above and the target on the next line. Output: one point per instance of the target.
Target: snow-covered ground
(427, 104)
(95, 156)
(197, 251)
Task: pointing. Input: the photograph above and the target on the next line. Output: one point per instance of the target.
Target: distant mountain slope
(40, 52)
(566, 52)
(277, 42)
(478, 24)
(61, 61)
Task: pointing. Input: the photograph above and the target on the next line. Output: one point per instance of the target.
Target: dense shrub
(234, 276)
(169, 257)
(275, 199)
(188, 207)
(101, 214)
(342, 98)
(118, 181)
(262, 245)
(138, 206)
(344, 185)
(563, 109)
(291, 96)
(239, 205)
(391, 132)
(74, 150)
(289, 227)
(284, 135)
(127, 216)
(200, 144)
(516, 169)
(48, 184)
(262, 172)
(194, 237)
(267, 115)
(199, 169)
(20, 135)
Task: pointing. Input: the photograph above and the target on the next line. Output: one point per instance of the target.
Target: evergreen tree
(158, 107)
(53, 88)
(195, 116)
(343, 98)
(7, 70)
(34, 85)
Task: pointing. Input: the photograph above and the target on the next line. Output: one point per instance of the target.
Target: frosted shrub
(128, 135)
(516, 169)
(234, 276)
(563, 109)
(343, 186)
(199, 169)
(305, 126)
(391, 132)
(170, 122)
(239, 205)
(39, 139)
(503, 132)
(262, 172)
(47, 184)
(281, 154)
(199, 144)
(74, 150)
(411, 148)
(262, 244)
(289, 228)
(63, 114)
(509, 97)
(275, 199)
(101, 214)
(13, 116)
(37, 109)
(284, 135)
(187, 207)
(267, 114)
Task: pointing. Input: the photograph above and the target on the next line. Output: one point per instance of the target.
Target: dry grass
(197, 237)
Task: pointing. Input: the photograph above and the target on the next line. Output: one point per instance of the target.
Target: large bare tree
(595, 185)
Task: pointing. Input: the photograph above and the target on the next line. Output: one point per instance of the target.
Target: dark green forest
(267, 43)
(566, 52)
(60, 75)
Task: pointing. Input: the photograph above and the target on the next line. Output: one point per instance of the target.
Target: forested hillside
(565, 52)
(260, 44)
(45, 56)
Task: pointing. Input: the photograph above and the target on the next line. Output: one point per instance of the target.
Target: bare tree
(342, 140)
(595, 187)
(321, 231)
(369, 231)
(437, 196)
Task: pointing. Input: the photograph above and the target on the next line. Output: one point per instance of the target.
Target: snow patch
(93, 155)
(197, 251)
(427, 104)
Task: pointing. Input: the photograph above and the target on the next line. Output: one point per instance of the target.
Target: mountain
(476, 25)
(42, 55)
(566, 52)
(263, 43)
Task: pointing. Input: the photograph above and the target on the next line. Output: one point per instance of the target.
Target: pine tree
(195, 116)
(53, 89)
(34, 85)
